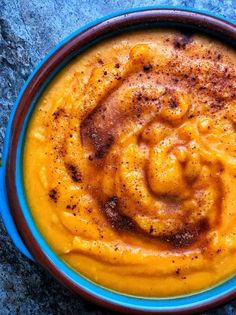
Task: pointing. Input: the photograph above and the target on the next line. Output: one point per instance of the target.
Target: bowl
(14, 209)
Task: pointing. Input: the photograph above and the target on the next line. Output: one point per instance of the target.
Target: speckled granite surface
(29, 29)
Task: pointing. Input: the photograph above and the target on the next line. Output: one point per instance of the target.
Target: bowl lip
(56, 58)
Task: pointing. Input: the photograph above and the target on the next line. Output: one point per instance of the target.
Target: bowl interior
(182, 303)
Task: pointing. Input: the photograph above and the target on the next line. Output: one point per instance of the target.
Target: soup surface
(130, 163)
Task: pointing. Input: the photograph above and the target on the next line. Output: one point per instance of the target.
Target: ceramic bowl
(14, 209)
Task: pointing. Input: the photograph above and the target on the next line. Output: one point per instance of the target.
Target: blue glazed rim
(195, 302)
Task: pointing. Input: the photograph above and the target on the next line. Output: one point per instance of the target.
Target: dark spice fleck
(90, 158)
(147, 67)
(74, 172)
(191, 116)
(53, 194)
(139, 96)
(101, 61)
(173, 103)
(59, 112)
(72, 207)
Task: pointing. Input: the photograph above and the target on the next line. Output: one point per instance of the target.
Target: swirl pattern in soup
(130, 163)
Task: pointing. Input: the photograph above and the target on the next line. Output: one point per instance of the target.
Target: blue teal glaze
(7, 218)
(90, 287)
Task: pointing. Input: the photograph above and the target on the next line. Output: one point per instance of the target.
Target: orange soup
(130, 163)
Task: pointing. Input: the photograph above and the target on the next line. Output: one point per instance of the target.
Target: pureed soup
(130, 163)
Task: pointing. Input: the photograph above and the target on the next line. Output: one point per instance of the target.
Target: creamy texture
(130, 163)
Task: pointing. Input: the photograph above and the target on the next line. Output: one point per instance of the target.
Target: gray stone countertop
(29, 29)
